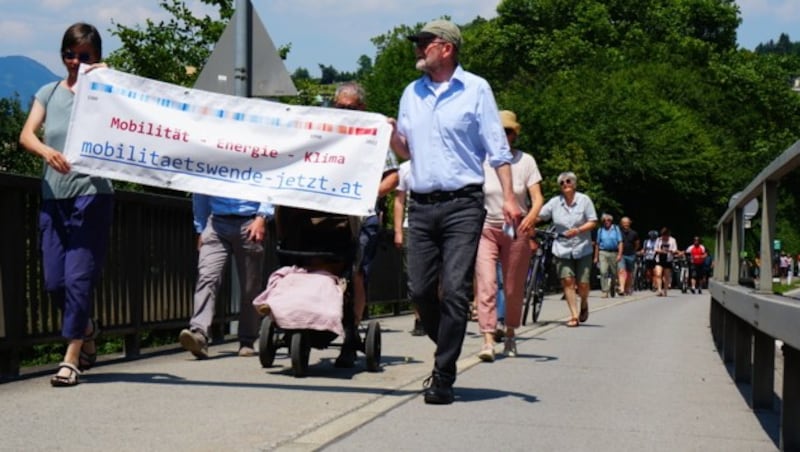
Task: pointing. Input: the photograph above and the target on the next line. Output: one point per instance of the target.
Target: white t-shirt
(403, 175)
(524, 173)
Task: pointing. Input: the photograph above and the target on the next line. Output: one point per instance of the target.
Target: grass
(780, 288)
(52, 353)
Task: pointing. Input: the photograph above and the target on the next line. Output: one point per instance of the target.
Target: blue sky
(330, 32)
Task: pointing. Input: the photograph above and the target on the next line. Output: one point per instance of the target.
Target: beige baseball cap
(439, 29)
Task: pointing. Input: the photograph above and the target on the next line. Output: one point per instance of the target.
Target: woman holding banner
(76, 210)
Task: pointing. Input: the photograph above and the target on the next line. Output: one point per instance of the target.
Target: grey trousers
(608, 265)
(223, 237)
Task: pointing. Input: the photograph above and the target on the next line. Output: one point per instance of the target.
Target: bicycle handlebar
(545, 233)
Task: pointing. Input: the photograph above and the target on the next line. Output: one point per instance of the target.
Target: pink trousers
(514, 256)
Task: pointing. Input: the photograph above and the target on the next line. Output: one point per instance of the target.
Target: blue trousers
(501, 295)
(74, 233)
(442, 244)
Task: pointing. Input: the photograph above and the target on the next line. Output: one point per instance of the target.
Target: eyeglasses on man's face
(423, 44)
(565, 182)
(83, 57)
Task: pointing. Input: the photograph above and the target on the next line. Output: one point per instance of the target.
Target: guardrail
(746, 317)
(148, 280)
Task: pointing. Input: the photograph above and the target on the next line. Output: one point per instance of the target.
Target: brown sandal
(573, 322)
(584, 316)
(72, 379)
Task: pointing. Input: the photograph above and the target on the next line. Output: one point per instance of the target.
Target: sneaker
(194, 342)
(418, 329)
(437, 392)
(604, 295)
(510, 347)
(245, 351)
(487, 353)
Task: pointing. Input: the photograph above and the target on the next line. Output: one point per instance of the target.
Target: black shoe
(418, 330)
(699, 291)
(437, 392)
(346, 359)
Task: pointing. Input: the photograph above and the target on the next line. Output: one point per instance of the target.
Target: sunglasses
(423, 44)
(347, 106)
(566, 182)
(83, 57)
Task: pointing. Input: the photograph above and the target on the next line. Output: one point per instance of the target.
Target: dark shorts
(697, 271)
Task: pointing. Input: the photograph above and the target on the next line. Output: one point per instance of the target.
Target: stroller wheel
(373, 346)
(300, 351)
(267, 342)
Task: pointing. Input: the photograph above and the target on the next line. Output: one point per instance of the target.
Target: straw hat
(509, 120)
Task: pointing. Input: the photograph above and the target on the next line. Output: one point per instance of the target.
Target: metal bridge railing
(746, 317)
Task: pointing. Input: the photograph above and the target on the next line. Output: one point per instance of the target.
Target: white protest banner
(140, 130)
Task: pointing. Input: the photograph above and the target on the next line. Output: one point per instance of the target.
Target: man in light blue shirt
(448, 124)
(227, 227)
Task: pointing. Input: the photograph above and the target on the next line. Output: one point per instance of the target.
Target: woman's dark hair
(80, 34)
(665, 231)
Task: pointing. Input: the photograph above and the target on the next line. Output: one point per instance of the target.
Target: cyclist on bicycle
(608, 252)
(697, 258)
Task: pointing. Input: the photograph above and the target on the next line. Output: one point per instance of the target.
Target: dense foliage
(650, 102)
(169, 51)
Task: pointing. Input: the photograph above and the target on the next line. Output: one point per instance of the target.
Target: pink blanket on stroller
(299, 299)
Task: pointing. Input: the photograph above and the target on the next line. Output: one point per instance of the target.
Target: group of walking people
(473, 201)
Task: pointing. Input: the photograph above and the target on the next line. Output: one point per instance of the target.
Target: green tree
(392, 71)
(644, 99)
(172, 51)
(13, 158)
(300, 73)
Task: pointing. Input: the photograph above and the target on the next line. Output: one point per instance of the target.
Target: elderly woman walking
(574, 217)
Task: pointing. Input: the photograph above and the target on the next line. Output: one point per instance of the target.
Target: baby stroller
(321, 245)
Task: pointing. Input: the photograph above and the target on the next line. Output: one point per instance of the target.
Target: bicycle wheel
(538, 295)
(530, 286)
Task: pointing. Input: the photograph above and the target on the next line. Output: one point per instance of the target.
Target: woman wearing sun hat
(511, 249)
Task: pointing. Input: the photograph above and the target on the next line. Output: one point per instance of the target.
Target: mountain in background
(23, 76)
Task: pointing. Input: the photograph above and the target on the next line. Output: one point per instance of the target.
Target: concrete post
(763, 383)
(768, 213)
(729, 335)
(790, 412)
(721, 266)
(737, 244)
(743, 353)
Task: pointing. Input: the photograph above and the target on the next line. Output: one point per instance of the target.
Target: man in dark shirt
(630, 245)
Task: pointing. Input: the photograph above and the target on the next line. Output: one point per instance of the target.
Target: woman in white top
(512, 252)
(666, 247)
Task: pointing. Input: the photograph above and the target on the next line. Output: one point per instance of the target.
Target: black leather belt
(234, 217)
(439, 196)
